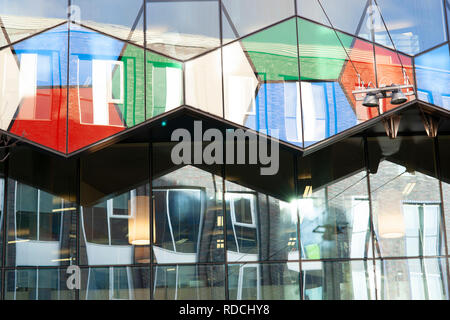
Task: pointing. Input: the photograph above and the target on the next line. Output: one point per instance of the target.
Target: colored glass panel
(122, 19)
(414, 25)
(393, 68)
(34, 84)
(240, 17)
(273, 52)
(321, 53)
(25, 18)
(183, 29)
(433, 76)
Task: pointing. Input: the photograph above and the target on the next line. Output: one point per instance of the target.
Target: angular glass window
(405, 197)
(256, 281)
(332, 66)
(196, 282)
(254, 213)
(188, 220)
(334, 203)
(433, 76)
(242, 17)
(414, 25)
(346, 280)
(124, 19)
(203, 81)
(115, 283)
(25, 18)
(114, 212)
(33, 94)
(261, 82)
(183, 30)
(412, 279)
(37, 284)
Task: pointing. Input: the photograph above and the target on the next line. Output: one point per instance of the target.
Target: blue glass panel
(277, 107)
(433, 77)
(415, 25)
(326, 111)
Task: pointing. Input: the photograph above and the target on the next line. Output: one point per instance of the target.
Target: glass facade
(72, 76)
(86, 84)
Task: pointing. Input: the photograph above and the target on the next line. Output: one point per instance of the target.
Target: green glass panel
(273, 52)
(164, 84)
(322, 55)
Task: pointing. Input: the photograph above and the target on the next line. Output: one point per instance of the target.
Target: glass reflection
(117, 230)
(254, 281)
(196, 282)
(412, 279)
(39, 227)
(188, 217)
(37, 284)
(405, 198)
(349, 280)
(115, 283)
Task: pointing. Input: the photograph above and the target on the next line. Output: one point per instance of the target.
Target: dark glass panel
(264, 281)
(34, 284)
(405, 196)
(115, 283)
(346, 280)
(444, 158)
(196, 282)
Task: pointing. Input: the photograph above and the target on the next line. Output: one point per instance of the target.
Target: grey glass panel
(334, 202)
(115, 283)
(412, 279)
(124, 19)
(348, 280)
(188, 219)
(196, 282)
(414, 25)
(183, 29)
(405, 197)
(33, 284)
(241, 17)
(264, 281)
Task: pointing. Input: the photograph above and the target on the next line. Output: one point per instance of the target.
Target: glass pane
(164, 90)
(332, 65)
(115, 215)
(188, 218)
(412, 279)
(197, 282)
(203, 80)
(264, 281)
(261, 82)
(334, 203)
(106, 87)
(184, 29)
(406, 197)
(393, 68)
(347, 280)
(115, 283)
(242, 17)
(433, 76)
(25, 18)
(444, 156)
(33, 284)
(124, 19)
(2, 197)
(33, 79)
(414, 25)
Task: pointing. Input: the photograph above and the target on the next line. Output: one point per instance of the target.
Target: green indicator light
(164, 123)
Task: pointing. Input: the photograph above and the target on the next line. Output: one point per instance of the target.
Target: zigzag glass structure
(90, 92)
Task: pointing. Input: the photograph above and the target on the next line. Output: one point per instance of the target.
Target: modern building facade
(91, 92)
